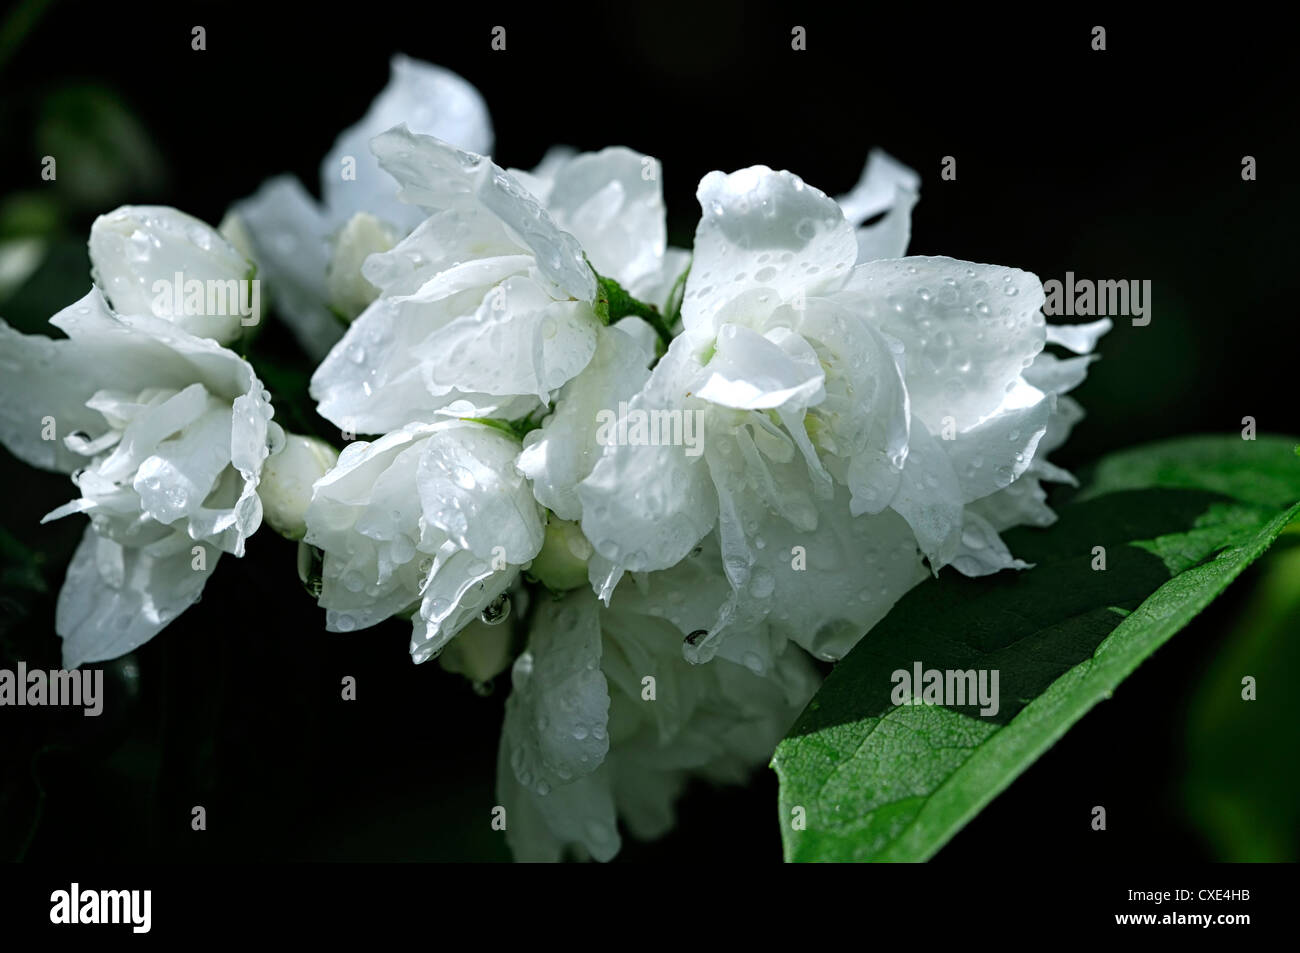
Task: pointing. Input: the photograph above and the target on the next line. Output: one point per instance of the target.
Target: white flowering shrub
(656, 485)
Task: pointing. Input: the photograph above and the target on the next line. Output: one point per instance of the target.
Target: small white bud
(480, 652)
(287, 478)
(154, 260)
(349, 291)
(562, 563)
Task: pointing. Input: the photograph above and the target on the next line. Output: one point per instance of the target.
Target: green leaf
(1178, 522)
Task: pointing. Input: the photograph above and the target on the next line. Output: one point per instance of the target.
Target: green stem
(613, 303)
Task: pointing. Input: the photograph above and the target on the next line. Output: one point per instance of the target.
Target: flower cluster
(649, 482)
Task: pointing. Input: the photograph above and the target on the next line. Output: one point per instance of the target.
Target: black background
(1116, 164)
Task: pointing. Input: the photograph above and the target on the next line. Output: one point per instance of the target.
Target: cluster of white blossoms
(650, 482)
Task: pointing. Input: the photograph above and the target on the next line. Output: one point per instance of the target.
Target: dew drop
(497, 611)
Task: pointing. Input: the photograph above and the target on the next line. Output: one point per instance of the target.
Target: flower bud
(154, 260)
(481, 651)
(287, 479)
(349, 292)
(234, 229)
(562, 563)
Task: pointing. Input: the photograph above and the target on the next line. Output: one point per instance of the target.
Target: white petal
(540, 828)
(541, 178)
(1023, 503)
(645, 792)
(463, 233)
(968, 330)
(519, 341)
(751, 371)
(1079, 338)
(469, 488)
(561, 454)
(365, 516)
(657, 287)
(139, 254)
(877, 190)
(768, 230)
(1053, 375)
(864, 419)
(558, 712)
(822, 587)
(180, 472)
(375, 379)
(288, 232)
(674, 503)
(886, 186)
(982, 551)
(430, 100)
(612, 202)
(115, 599)
(990, 455)
(461, 586)
(438, 176)
(46, 383)
(929, 497)
(888, 238)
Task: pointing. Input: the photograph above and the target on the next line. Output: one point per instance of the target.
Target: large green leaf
(865, 779)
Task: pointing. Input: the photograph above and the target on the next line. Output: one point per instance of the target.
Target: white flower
(612, 202)
(852, 406)
(487, 301)
(165, 434)
(560, 455)
(607, 721)
(431, 519)
(154, 260)
(293, 235)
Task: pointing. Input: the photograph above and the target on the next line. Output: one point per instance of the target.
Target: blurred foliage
(103, 152)
(1243, 778)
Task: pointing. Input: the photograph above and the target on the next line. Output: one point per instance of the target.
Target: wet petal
(519, 341)
(438, 176)
(562, 453)
(674, 503)
(763, 229)
(116, 598)
(877, 189)
(288, 233)
(968, 330)
(146, 256)
(558, 711)
(469, 488)
(751, 371)
(612, 202)
(430, 100)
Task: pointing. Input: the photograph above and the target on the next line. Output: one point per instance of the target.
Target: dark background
(1123, 164)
